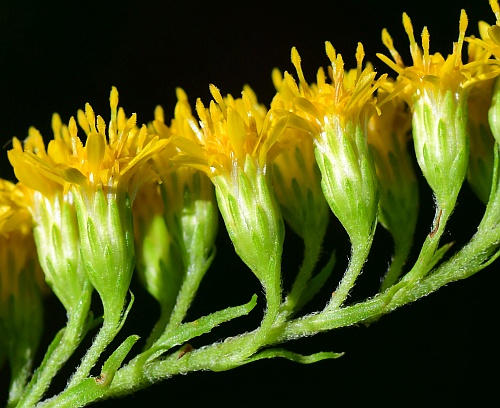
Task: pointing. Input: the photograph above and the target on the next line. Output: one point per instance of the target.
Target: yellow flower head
(390, 131)
(481, 139)
(17, 248)
(297, 184)
(14, 214)
(336, 113)
(175, 242)
(437, 89)
(231, 130)
(109, 161)
(490, 34)
(21, 283)
(433, 71)
(389, 135)
(349, 96)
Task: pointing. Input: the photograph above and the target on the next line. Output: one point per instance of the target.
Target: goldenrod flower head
(158, 263)
(480, 169)
(296, 176)
(389, 135)
(111, 161)
(101, 178)
(15, 231)
(178, 247)
(232, 130)
(56, 232)
(237, 142)
(489, 40)
(21, 282)
(338, 114)
(14, 213)
(187, 191)
(438, 88)
(54, 222)
(297, 184)
(433, 72)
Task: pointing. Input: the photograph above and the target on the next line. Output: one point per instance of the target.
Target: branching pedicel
(85, 216)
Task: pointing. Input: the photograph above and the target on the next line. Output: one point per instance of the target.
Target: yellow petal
(236, 132)
(95, 148)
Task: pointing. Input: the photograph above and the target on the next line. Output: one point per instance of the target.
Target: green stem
(193, 277)
(312, 251)
(104, 337)
(469, 260)
(424, 262)
(60, 350)
(19, 375)
(359, 254)
(159, 328)
(273, 299)
(474, 256)
(217, 357)
(402, 248)
(232, 352)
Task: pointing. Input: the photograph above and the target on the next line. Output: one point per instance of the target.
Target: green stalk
(402, 249)
(426, 258)
(359, 255)
(104, 337)
(168, 323)
(312, 251)
(231, 353)
(59, 351)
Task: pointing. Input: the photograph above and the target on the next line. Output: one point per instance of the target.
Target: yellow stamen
(414, 48)
(360, 55)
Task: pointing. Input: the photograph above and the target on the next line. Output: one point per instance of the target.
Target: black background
(440, 351)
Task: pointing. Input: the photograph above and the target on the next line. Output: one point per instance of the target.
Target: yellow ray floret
(231, 129)
(433, 70)
(105, 161)
(184, 125)
(348, 95)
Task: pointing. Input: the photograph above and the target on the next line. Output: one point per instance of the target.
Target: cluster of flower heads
(339, 143)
